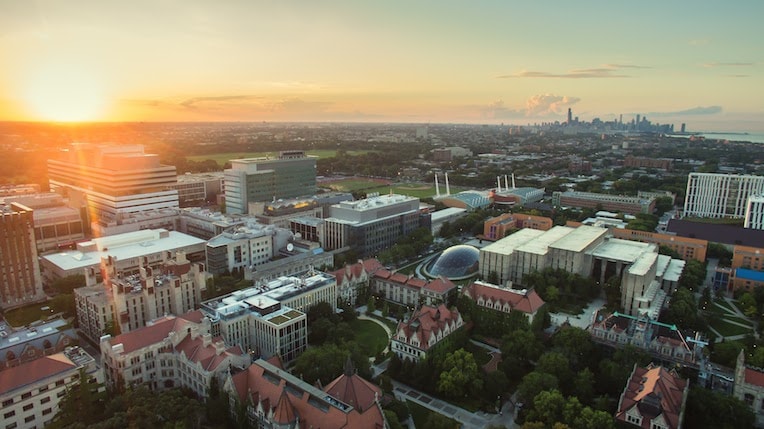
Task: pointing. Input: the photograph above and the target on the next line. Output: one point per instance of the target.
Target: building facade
(687, 248)
(55, 224)
(171, 352)
(372, 224)
(30, 393)
(498, 227)
(20, 282)
(245, 247)
(409, 290)
(427, 327)
(749, 388)
(654, 398)
(505, 300)
(718, 195)
(198, 189)
(754, 212)
(615, 203)
(18, 346)
(355, 280)
(292, 174)
(112, 180)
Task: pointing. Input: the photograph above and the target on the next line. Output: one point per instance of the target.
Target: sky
(699, 62)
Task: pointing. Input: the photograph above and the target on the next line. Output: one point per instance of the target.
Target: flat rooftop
(510, 243)
(615, 249)
(674, 270)
(122, 247)
(540, 246)
(579, 239)
(644, 262)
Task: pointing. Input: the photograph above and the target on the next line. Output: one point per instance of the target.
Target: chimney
(498, 183)
(437, 187)
(448, 189)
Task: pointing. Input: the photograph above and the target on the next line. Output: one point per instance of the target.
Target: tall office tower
(113, 181)
(570, 116)
(249, 180)
(754, 212)
(720, 195)
(684, 127)
(20, 282)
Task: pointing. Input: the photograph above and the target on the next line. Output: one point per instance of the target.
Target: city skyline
(499, 62)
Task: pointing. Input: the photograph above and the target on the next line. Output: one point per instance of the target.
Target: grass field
(418, 190)
(727, 329)
(420, 415)
(222, 158)
(370, 336)
(352, 185)
(23, 316)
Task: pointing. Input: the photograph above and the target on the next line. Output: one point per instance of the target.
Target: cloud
(728, 64)
(542, 105)
(695, 111)
(605, 71)
(193, 103)
(536, 106)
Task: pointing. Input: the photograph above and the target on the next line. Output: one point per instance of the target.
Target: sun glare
(65, 94)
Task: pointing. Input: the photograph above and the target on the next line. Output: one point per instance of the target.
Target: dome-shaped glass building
(455, 262)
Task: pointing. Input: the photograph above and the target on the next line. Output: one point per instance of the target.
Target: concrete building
(170, 352)
(717, 195)
(754, 212)
(615, 203)
(449, 214)
(749, 388)
(205, 224)
(20, 282)
(112, 181)
(292, 174)
(654, 397)
(372, 224)
(643, 162)
(128, 301)
(198, 189)
(31, 392)
(55, 224)
(427, 327)
(18, 346)
(498, 227)
(127, 252)
(278, 213)
(245, 247)
(505, 300)
(273, 399)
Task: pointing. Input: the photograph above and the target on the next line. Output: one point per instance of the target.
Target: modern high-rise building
(292, 174)
(20, 282)
(717, 195)
(113, 181)
(754, 212)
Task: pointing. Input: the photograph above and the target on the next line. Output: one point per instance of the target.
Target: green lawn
(420, 415)
(351, 185)
(727, 329)
(222, 158)
(370, 336)
(23, 316)
(724, 304)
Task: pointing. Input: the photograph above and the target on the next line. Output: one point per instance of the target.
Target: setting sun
(65, 94)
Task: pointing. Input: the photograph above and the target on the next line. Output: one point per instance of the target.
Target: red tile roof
(354, 271)
(655, 391)
(751, 376)
(284, 396)
(32, 371)
(428, 321)
(528, 302)
(208, 356)
(149, 334)
(441, 285)
(354, 390)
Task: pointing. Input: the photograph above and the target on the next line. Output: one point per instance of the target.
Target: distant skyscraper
(291, 175)
(570, 116)
(683, 127)
(20, 282)
(113, 181)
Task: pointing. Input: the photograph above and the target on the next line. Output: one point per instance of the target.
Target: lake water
(743, 137)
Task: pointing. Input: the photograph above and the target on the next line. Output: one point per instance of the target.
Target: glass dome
(456, 261)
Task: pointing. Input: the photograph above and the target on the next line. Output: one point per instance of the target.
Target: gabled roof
(284, 412)
(428, 321)
(441, 285)
(527, 301)
(157, 331)
(32, 371)
(353, 390)
(208, 356)
(754, 377)
(654, 391)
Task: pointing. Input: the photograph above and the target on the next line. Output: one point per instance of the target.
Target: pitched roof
(207, 355)
(441, 285)
(751, 376)
(525, 300)
(35, 370)
(149, 334)
(286, 396)
(354, 390)
(654, 391)
(428, 321)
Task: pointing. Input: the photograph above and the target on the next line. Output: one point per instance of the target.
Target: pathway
(468, 419)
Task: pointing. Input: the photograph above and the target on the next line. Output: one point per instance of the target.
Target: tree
(392, 420)
(682, 310)
(576, 344)
(323, 363)
(556, 364)
(495, 384)
(535, 383)
(460, 375)
(583, 385)
(748, 304)
(439, 421)
(708, 409)
(726, 352)
(321, 310)
(82, 404)
(370, 305)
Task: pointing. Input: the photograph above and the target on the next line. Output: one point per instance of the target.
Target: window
(9, 414)
(47, 411)
(7, 402)
(45, 400)
(28, 419)
(11, 426)
(26, 395)
(43, 389)
(28, 407)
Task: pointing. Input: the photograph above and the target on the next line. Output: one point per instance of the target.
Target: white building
(171, 352)
(31, 392)
(754, 212)
(112, 180)
(127, 251)
(720, 195)
(245, 247)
